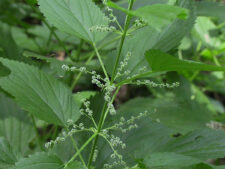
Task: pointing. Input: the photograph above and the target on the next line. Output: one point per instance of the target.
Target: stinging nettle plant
(133, 46)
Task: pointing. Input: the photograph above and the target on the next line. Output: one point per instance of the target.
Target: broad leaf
(75, 17)
(150, 138)
(160, 61)
(15, 125)
(7, 155)
(167, 160)
(39, 161)
(7, 43)
(157, 15)
(39, 93)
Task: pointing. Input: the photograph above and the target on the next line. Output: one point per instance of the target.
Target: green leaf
(167, 160)
(39, 161)
(7, 43)
(83, 95)
(160, 61)
(157, 15)
(203, 144)
(15, 125)
(39, 93)
(75, 17)
(148, 38)
(202, 32)
(9, 46)
(7, 155)
(211, 9)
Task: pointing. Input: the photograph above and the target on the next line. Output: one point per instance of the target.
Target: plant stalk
(126, 26)
(105, 111)
(80, 150)
(100, 60)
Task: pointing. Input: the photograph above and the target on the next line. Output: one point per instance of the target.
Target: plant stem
(80, 150)
(135, 77)
(105, 111)
(37, 133)
(96, 138)
(113, 98)
(79, 49)
(49, 27)
(76, 148)
(88, 61)
(126, 26)
(100, 60)
(80, 73)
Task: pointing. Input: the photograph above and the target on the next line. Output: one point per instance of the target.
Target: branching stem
(126, 26)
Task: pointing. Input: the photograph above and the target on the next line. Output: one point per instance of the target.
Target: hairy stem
(76, 148)
(96, 138)
(80, 73)
(80, 150)
(100, 61)
(126, 26)
(37, 133)
(105, 111)
(88, 61)
(79, 49)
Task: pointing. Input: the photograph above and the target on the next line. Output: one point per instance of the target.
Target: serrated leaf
(160, 61)
(150, 138)
(15, 125)
(157, 15)
(39, 93)
(8, 156)
(39, 161)
(75, 17)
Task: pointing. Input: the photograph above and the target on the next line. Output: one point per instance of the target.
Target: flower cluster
(140, 23)
(111, 18)
(102, 28)
(74, 68)
(153, 84)
(73, 129)
(216, 125)
(115, 142)
(87, 108)
(95, 155)
(129, 123)
(122, 66)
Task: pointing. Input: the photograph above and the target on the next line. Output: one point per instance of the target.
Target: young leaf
(39, 161)
(7, 155)
(83, 95)
(75, 17)
(157, 15)
(15, 125)
(39, 93)
(160, 61)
